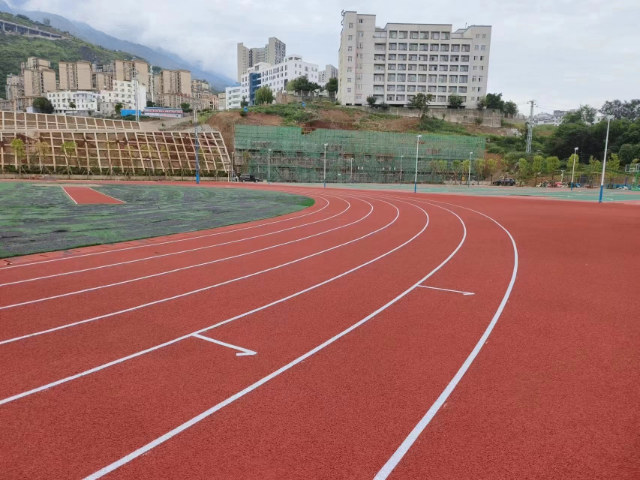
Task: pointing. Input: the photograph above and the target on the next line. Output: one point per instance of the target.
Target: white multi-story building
(276, 76)
(398, 61)
(74, 101)
(233, 97)
(124, 93)
(327, 74)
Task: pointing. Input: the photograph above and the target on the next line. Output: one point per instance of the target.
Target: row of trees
(264, 95)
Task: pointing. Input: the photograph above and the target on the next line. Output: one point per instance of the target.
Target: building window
(453, 79)
(402, 66)
(349, 79)
(361, 34)
(402, 77)
(402, 56)
(400, 88)
(349, 59)
(413, 47)
(393, 34)
(402, 46)
(349, 69)
(393, 46)
(442, 79)
(349, 48)
(464, 58)
(423, 58)
(444, 68)
(435, 35)
(399, 98)
(476, 47)
(360, 21)
(424, 35)
(484, 35)
(431, 89)
(422, 88)
(464, 68)
(391, 66)
(412, 77)
(422, 78)
(411, 88)
(444, 58)
(464, 78)
(350, 37)
(444, 48)
(462, 89)
(402, 34)
(392, 56)
(412, 68)
(413, 35)
(351, 25)
(442, 98)
(379, 58)
(348, 90)
(433, 79)
(391, 77)
(391, 88)
(483, 47)
(413, 58)
(390, 98)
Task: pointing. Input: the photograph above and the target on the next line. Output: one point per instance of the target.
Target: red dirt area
(88, 196)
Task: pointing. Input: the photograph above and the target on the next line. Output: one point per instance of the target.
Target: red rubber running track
(373, 335)
(86, 196)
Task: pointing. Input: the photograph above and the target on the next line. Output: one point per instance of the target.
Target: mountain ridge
(155, 57)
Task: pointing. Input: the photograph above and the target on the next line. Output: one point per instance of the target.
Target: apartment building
(396, 62)
(276, 76)
(102, 81)
(273, 52)
(327, 74)
(200, 88)
(75, 76)
(14, 88)
(37, 77)
(124, 71)
(75, 101)
(222, 101)
(233, 97)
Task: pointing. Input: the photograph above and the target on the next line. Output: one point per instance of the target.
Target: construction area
(291, 154)
(56, 144)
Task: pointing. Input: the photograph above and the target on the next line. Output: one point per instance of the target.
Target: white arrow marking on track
(447, 290)
(243, 351)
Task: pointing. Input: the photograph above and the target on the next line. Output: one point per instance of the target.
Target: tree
(455, 101)
(585, 114)
(68, 149)
(332, 86)
(457, 167)
(302, 84)
(491, 166)
(20, 152)
(244, 103)
(42, 149)
(421, 102)
(43, 105)
(537, 167)
(612, 168)
(478, 166)
(371, 100)
(628, 153)
(465, 168)
(482, 103)
(264, 95)
(523, 169)
(186, 107)
(593, 168)
(510, 109)
(150, 103)
(494, 101)
(72, 105)
(553, 164)
(622, 110)
(118, 108)
(46, 21)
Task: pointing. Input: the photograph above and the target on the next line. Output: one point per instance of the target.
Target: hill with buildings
(155, 57)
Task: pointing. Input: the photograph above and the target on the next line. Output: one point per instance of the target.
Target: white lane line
(447, 290)
(224, 322)
(163, 300)
(72, 199)
(167, 436)
(101, 193)
(188, 267)
(168, 241)
(397, 456)
(153, 257)
(243, 352)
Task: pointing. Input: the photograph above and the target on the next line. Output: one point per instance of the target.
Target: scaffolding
(40, 121)
(289, 154)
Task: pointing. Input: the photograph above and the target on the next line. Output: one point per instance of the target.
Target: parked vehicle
(505, 182)
(245, 177)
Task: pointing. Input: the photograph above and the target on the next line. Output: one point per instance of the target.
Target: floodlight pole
(195, 121)
(325, 165)
(573, 169)
(604, 160)
(351, 169)
(415, 181)
(401, 157)
(469, 176)
(269, 167)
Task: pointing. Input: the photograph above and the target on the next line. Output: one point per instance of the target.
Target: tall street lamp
(573, 169)
(604, 160)
(415, 182)
(325, 164)
(401, 157)
(269, 167)
(469, 176)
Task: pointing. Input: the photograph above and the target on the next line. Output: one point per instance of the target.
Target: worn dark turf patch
(36, 218)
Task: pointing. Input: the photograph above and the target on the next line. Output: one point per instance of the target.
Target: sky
(561, 53)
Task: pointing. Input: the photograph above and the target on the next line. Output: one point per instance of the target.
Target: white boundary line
(167, 436)
(188, 267)
(126, 262)
(72, 257)
(466, 294)
(210, 287)
(229, 320)
(404, 447)
(72, 199)
(121, 202)
(243, 352)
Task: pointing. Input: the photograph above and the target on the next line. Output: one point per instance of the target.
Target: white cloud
(559, 52)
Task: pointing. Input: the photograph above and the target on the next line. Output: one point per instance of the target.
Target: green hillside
(15, 49)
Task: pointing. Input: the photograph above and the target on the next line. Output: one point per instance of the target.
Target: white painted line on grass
(188, 267)
(72, 199)
(224, 322)
(8, 267)
(243, 352)
(167, 436)
(163, 300)
(397, 456)
(447, 290)
(163, 255)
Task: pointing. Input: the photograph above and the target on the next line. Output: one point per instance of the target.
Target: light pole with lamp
(604, 160)
(573, 169)
(351, 169)
(197, 146)
(401, 157)
(469, 176)
(269, 167)
(325, 164)
(415, 182)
